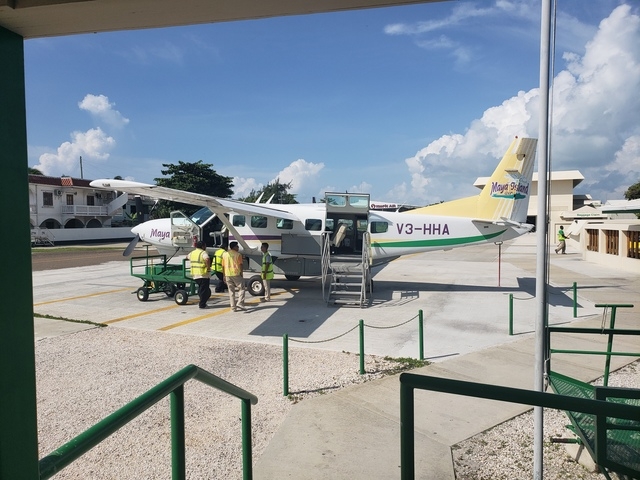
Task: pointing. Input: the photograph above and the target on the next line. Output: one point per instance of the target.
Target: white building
(65, 209)
(600, 234)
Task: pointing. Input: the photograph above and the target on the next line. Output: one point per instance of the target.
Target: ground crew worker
(562, 241)
(267, 271)
(216, 268)
(232, 270)
(200, 272)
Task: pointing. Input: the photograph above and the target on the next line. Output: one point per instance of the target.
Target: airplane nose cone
(137, 229)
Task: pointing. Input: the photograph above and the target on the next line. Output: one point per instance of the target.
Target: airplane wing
(215, 204)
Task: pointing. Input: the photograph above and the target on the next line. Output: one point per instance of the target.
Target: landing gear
(255, 286)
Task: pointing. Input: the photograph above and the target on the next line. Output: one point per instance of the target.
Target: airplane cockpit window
(284, 224)
(238, 221)
(258, 221)
(379, 227)
(359, 201)
(201, 216)
(313, 224)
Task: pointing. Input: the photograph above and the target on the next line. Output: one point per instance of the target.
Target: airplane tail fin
(505, 197)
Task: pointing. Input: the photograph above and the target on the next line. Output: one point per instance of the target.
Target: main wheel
(143, 294)
(255, 286)
(181, 297)
(293, 278)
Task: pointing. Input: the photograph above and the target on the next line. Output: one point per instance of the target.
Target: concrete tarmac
(354, 433)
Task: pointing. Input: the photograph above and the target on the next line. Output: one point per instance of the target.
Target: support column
(18, 421)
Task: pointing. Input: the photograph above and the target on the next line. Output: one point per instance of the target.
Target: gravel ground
(83, 377)
(506, 451)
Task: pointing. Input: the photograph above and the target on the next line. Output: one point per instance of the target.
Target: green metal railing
(173, 386)
(611, 331)
(409, 382)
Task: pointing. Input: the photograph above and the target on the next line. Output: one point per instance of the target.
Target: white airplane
(344, 224)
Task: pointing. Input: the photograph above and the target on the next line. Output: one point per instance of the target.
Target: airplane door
(349, 211)
(184, 232)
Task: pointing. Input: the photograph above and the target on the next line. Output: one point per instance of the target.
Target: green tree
(280, 192)
(34, 171)
(633, 191)
(195, 177)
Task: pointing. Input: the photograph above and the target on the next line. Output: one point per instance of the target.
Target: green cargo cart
(159, 276)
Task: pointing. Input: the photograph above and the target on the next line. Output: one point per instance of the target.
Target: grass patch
(404, 364)
(51, 317)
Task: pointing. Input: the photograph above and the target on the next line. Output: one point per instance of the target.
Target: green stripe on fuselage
(440, 242)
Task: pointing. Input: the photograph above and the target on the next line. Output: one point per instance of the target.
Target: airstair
(346, 250)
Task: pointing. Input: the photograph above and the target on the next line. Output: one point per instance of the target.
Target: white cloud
(100, 107)
(596, 123)
(91, 145)
(301, 174)
(243, 186)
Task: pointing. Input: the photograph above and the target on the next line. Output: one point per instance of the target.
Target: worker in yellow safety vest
(216, 268)
(201, 272)
(267, 271)
(232, 269)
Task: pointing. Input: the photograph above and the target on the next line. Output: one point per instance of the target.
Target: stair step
(345, 293)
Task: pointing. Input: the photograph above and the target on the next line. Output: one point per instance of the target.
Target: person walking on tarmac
(232, 269)
(216, 268)
(200, 272)
(562, 241)
(267, 271)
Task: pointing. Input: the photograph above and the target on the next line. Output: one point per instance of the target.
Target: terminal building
(600, 233)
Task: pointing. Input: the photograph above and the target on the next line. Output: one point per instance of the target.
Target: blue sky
(410, 104)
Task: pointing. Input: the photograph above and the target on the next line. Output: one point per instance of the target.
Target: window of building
(379, 227)
(611, 241)
(238, 221)
(284, 224)
(592, 240)
(633, 239)
(91, 200)
(258, 221)
(47, 199)
(69, 199)
(313, 224)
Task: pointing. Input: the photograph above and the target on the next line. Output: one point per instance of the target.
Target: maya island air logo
(516, 187)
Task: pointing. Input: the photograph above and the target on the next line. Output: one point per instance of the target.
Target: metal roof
(47, 18)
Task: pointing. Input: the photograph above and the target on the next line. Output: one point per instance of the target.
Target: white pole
(541, 231)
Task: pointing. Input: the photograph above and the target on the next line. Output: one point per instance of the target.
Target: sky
(410, 104)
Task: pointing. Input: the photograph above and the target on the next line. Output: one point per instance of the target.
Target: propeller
(131, 246)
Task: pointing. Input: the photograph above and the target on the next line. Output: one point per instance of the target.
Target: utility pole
(81, 174)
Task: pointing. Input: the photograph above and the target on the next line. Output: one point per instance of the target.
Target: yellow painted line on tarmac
(82, 296)
(208, 315)
(142, 314)
(194, 320)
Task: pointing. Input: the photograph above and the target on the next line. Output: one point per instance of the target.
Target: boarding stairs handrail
(366, 268)
(174, 387)
(326, 266)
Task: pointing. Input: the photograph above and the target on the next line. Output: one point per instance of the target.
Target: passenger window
(361, 225)
(328, 226)
(238, 221)
(379, 227)
(258, 221)
(313, 224)
(284, 224)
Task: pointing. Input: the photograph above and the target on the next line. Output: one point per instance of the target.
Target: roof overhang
(47, 18)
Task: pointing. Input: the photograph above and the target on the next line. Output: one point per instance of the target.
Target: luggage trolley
(162, 277)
